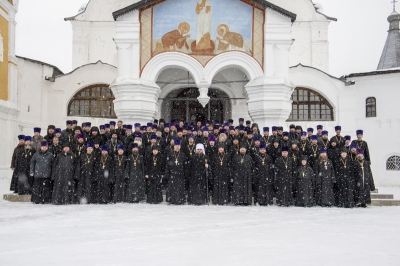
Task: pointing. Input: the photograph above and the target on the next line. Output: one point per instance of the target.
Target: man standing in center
(199, 176)
(242, 177)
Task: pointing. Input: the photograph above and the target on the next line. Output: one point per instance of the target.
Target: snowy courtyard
(142, 234)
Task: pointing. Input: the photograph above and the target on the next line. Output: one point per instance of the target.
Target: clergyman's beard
(222, 138)
(138, 142)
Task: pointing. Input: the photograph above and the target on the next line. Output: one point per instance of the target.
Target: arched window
(309, 105)
(93, 101)
(393, 163)
(370, 107)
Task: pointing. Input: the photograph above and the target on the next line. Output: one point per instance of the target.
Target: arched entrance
(182, 104)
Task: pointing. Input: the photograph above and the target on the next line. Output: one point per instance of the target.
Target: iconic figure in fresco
(204, 23)
(176, 38)
(229, 40)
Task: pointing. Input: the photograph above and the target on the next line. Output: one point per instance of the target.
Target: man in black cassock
(362, 145)
(154, 173)
(304, 184)
(243, 165)
(119, 186)
(324, 180)
(16, 155)
(134, 173)
(63, 175)
(284, 178)
(22, 168)
(104, 176)
(176, 169)
(40, 170)
(364, 180)
(221, 172)
(345, 182)
(84, 174)
(199, 176)
(263, 177)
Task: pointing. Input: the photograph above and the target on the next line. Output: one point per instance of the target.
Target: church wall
(66, 86)
(4, 57)
(8, 85)
(378, 130)
(32, 95)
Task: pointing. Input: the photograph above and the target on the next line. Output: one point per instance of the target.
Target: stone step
(17, 198)
(385, 202)
(381, 196)
(375, 191)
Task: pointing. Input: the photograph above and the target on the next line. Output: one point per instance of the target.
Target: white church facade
(265, 61)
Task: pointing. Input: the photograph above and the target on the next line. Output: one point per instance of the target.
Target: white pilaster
(136, 100)
(269, 97)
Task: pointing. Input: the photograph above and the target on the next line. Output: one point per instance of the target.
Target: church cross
(394, 4)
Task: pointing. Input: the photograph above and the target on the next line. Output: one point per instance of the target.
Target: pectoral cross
(134, 164)
(176, 161)
(103, 167)
(221, 163)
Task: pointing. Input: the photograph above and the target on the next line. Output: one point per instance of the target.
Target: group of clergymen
(197, 163)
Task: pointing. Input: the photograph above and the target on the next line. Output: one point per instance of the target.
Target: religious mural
(202, 27)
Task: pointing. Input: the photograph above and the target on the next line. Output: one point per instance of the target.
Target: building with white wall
(272, 68)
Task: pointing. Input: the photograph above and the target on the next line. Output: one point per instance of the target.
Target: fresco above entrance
(202, 28)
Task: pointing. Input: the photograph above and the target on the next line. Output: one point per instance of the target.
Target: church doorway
(182, 104)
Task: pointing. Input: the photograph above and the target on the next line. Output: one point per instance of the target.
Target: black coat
(263, 179)
(304, 185)
(16, 155)
(103, 179)
(119, 177)
(176, 170)
(242, 179)
(22, 171)
(41, 167)
(313, 154)
(324, 182)
(63, 175)
(199, 177)
(285, 170)
(363, 145)
(84, 174)
(345, 183)
(136, 183)
(364, 181)
(155, 168)
(221, 173)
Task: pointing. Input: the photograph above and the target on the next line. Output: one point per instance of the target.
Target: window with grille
(370, 105)
(393, 163)
(93, 101)
(309, 105)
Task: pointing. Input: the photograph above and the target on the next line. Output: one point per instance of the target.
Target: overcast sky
(356, 39)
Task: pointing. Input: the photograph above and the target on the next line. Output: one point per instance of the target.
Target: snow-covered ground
(142, 234)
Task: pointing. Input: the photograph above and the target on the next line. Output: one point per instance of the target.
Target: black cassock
(242, 179)
(119, 177)
(16, 155)
(363, 145)
(324, 182)
(22, 168)
(221, 173)
(199, 176)
(345, 183)
(104, 178)
(263, 178)
(136, 182)
(84, 174)
(155, 168)
(176, 170)
(63, 176)
(284, 180)
(304, 185)
(364, 181)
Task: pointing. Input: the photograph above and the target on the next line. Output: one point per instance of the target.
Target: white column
(269, 98)
(136, 100)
